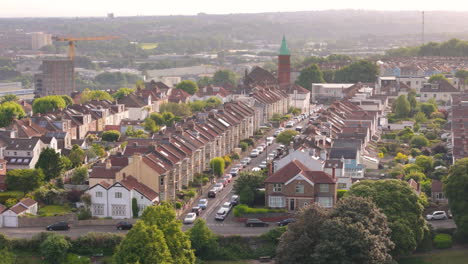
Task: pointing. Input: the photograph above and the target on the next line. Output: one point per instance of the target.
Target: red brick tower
(284, 66)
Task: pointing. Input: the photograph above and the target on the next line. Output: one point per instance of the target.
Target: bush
(442, 241)
(54, 249)
(234, 156)
(10, 194)
(80, 175)
(49, 194)
(84, 214)
(10, 202)
(389, 136)
(243, 209)
(227, 161)
(340, 193)
(111, 135)
(74, 195)
(94, 243)
(244, 146)
(178, 205)
(249, 141)
(419, 141)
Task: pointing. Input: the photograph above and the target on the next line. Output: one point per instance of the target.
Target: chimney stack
(334, 171)
(108, 164)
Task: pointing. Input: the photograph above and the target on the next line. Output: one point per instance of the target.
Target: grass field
(53, 210)
(440, 257)
(148, 46)
(10, 194)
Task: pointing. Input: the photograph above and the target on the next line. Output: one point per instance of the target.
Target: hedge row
(442, 241)
(243, 209)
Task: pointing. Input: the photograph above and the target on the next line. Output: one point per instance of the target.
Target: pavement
(442, 224)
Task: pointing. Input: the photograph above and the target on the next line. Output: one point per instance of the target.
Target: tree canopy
(217, 165)
(10, 110)
(455, 187)
(188, 86)
(48, 103)
(286, 136)
(76, 156)
(361, 71)
(401, 106)
(111, 135)
(223, 77)
(309, 75)
(54, 249)
(122, 92)
(355, 231)
(403, 209)
(98, 95)
(247, 184)
(437, 77)
(179, 110)
(24, 180)
(50, 163)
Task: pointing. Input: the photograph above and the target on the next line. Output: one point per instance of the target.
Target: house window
(118, 210)
(425, 95)
(14, 153)
(161, 181)
(342, 185)
(348, 161)
(325, 202)
(324, 188)
(98, 209)
(300, 188)
(118, 195)
(276, 201)
(277, 187)
(98, 194)
(29, 153)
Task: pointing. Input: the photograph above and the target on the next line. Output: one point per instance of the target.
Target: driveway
(439, 224)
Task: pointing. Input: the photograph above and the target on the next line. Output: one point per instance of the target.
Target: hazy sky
(70, 8)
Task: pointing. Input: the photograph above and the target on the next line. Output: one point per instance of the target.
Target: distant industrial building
(57, 78)
(40, 39)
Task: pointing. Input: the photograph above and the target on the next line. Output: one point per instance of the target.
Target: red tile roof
(2, 208)
(18, 208)
(28, 202)
(133, 184)
(295, 167)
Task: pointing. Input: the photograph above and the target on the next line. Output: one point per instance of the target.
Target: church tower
(284, 66)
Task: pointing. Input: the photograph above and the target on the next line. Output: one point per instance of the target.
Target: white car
(227, 205)
(218, 187)
(263, 164)
(190, 218)
(234, 172)
(269, 140)
(277, 132)
(272, 155)
(289, 124)
(437, 215)
(256, 169)
(254, 153)
(246, 160)
(203, 204)
(281, 129)
(221, 214)
(259, 149)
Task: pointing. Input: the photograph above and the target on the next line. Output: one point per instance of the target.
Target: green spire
(284, 50)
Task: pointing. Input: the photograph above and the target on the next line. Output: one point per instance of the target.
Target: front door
(291, 204)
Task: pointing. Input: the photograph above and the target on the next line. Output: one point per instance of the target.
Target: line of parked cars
(226, 208)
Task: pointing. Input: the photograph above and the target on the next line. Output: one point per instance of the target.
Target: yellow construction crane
(71, 42)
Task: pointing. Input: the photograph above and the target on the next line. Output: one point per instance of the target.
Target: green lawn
(440, 257)
(148, 46)
(10, 194)
(54, 210)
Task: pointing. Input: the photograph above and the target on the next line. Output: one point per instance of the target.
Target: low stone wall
(25, 221)
(103, 222)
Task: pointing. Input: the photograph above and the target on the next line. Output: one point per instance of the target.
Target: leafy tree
(10, 110)
(415, 175)
(204, 81)
(9, 98)
(328, 75)
(408, 168)
(401, 106)
(98, 95)
(247, 185)
(425, 162)
(455, 187)
(197, 105)
(111, 135)
(68, 100)
(437, 77)
(80, 175)
(412, 100)
(247, 196)
(309, 75)
(50, 163)
(48, 103)
(169, 118)
(405, 134)
(223, 77)
(139, 133)
(164, 218)
(428, 108)
(76, 156)
(286, 137)
(462, 74)
(403, 209)
(66, 162)
(361, 71)
(98, 150)
(122, 92)
(143, 244)
(54, 249)
(7, 257)
(217, 165)
(203, 240)
(179, 110)
(188, 86)
(150, 125)
(213, 102)
(420, 117)
(355, 231)
(418, 141)
(11, 202)
(135, 208)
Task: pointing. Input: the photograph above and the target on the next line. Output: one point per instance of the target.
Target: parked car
(58, 226)
(228, 177)
(281, 129)
(234, 172)
(244, 163)
(254, 153)
(227, 205)
(259, 149)
(263, 164)
(221, 214)
(263, 145)
(234, 200)
(251, 222)
(218, 186)
(289, 124)
(298, 129)
(190, 218)
(269, 140)
(277, 132)
(280, 147)
(238, 166)
(286, 222)
(256, 169)
(437, 215)
(197, 210)
(247, 159)
(224, 182)
(124, 225)
(212, 193)
(203, 203)
(272, 155)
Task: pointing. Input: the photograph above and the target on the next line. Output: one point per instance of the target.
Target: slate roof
(21, 143)
(347, 153)
(442, 86)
